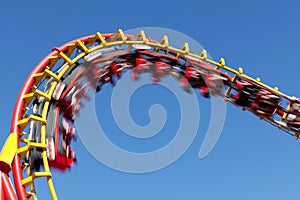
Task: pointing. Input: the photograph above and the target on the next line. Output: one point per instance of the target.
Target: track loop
(58, 65)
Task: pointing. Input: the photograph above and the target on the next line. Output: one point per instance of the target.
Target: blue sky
(252, 160)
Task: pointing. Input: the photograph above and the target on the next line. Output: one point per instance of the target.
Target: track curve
(200, 72)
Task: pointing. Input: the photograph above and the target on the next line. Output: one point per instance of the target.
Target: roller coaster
(42, 127)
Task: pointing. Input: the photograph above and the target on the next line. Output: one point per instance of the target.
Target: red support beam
(8, 190)
(1, 187)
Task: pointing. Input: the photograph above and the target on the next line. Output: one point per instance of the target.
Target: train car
(59, 134)
(35, 154)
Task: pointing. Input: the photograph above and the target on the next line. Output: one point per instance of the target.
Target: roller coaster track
(54, 66)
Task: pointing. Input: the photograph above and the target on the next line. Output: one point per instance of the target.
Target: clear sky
(252, 160)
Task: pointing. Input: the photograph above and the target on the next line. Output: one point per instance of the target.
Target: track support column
(8, 153)
(7, 192)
